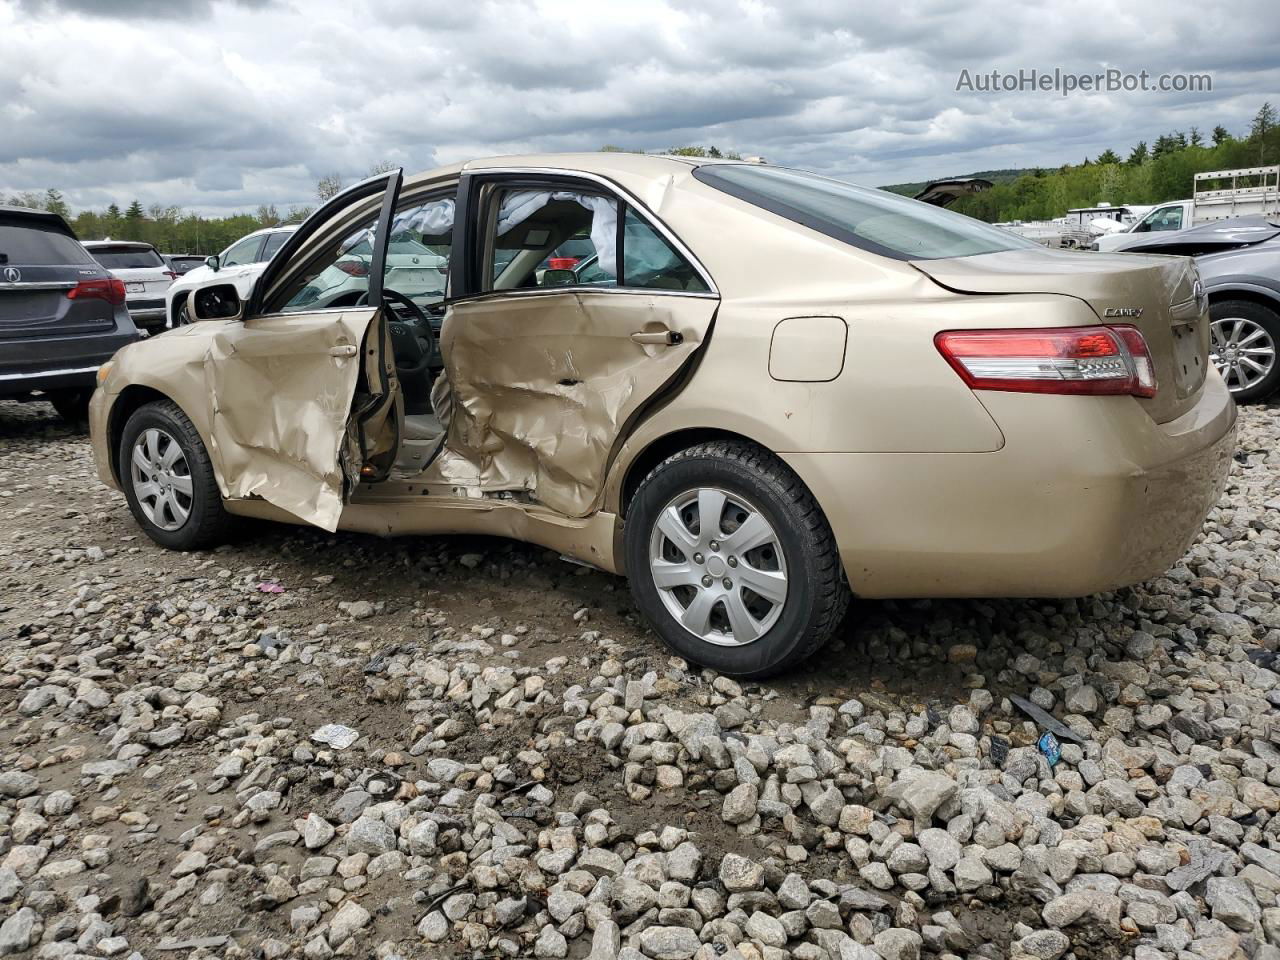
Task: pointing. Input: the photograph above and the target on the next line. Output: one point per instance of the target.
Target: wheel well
(664, 447)
(130, 399)
(1249, 296)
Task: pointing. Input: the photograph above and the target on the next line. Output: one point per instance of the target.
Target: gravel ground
(532, 775)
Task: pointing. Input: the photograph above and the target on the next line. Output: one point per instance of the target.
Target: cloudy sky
(218, 106)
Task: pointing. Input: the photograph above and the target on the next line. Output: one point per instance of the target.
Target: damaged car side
(755, 389)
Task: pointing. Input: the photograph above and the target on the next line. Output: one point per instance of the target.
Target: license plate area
(135, 286)
(1189, 361)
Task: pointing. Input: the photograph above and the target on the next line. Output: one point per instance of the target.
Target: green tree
(1264, 122)
(267, 215)
(27, 198)
(1138, 155)
(1108, 156)
(54, 203)
(1220, 135)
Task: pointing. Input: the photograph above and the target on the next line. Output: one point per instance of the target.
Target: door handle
(343, 350)
(665, 338)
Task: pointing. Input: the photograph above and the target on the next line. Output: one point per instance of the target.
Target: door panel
(304, 403)
(542, 386)
(281, 390)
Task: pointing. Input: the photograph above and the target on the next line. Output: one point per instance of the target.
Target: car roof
(609, 164)
(42, 216)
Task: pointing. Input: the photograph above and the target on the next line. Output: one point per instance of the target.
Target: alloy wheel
(1242, 350)
(161, 479)
(718, 565)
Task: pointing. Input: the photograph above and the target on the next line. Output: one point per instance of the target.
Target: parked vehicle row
(771, 390)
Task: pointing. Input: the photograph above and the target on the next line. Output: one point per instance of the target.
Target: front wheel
(732, 562)
(1243, 341)
(168, 479)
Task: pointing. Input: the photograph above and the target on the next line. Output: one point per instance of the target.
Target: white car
(416, 270)
(146, 275)
(240, 264)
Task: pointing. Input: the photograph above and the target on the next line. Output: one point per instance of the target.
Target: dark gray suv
(62, 314)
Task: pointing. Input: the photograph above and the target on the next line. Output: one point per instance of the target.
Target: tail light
(356, 268)
(1101, 360)
(110, 289)
(561, 263)
(171, 274)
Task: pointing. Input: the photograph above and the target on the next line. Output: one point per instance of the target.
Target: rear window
(128, 258)
(883, 223)
(39, 245)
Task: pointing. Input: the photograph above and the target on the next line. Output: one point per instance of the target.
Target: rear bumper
(1088, 494)
(150, 315)
(56, 363)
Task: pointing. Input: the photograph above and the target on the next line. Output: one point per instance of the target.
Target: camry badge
(12, 274)
(1122, 312)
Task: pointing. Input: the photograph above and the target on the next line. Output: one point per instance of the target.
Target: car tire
(173, 495)
(790, 555)
(1244, 319)
(72, 405)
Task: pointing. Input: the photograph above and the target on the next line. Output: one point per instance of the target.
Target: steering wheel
(414, 344)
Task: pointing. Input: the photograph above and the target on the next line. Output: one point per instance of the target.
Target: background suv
(62, 314)
(146, 277)
(240, 264)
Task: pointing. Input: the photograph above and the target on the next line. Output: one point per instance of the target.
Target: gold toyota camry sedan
(752, 390)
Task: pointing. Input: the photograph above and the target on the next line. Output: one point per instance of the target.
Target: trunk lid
(1158, 295)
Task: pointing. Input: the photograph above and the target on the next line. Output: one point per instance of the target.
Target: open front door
(303, 396)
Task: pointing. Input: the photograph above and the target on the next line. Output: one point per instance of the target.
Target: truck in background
(1218, 195)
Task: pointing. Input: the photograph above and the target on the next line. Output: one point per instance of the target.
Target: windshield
(883, 223)
(128, 258)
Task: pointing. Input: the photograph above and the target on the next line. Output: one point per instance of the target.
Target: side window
(648, 260)
(417, 261)
(246, 251)
(535, 238)
(274, 241)
(1169, 218)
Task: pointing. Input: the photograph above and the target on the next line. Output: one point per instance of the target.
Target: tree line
(1152, 173)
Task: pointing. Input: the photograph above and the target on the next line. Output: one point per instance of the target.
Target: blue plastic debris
(1050, 748)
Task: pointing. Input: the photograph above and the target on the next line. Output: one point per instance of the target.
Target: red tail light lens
(171, 275)
(561, 263)
(1072, 360)
(356, 268)
(110, 289)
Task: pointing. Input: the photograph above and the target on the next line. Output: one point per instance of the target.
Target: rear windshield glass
(38, 245)
(116, 259)
(883, 223)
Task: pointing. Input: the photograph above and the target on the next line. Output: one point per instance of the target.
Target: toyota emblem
(12, 274)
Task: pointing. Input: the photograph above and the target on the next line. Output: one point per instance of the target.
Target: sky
(220, 106)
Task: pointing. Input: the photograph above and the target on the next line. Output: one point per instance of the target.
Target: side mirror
(220, 301)
(558, 278)
(214, 263)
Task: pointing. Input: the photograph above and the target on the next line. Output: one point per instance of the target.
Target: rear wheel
(1243, 343)
(732, 562)
(72, 405)
(168, 479)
